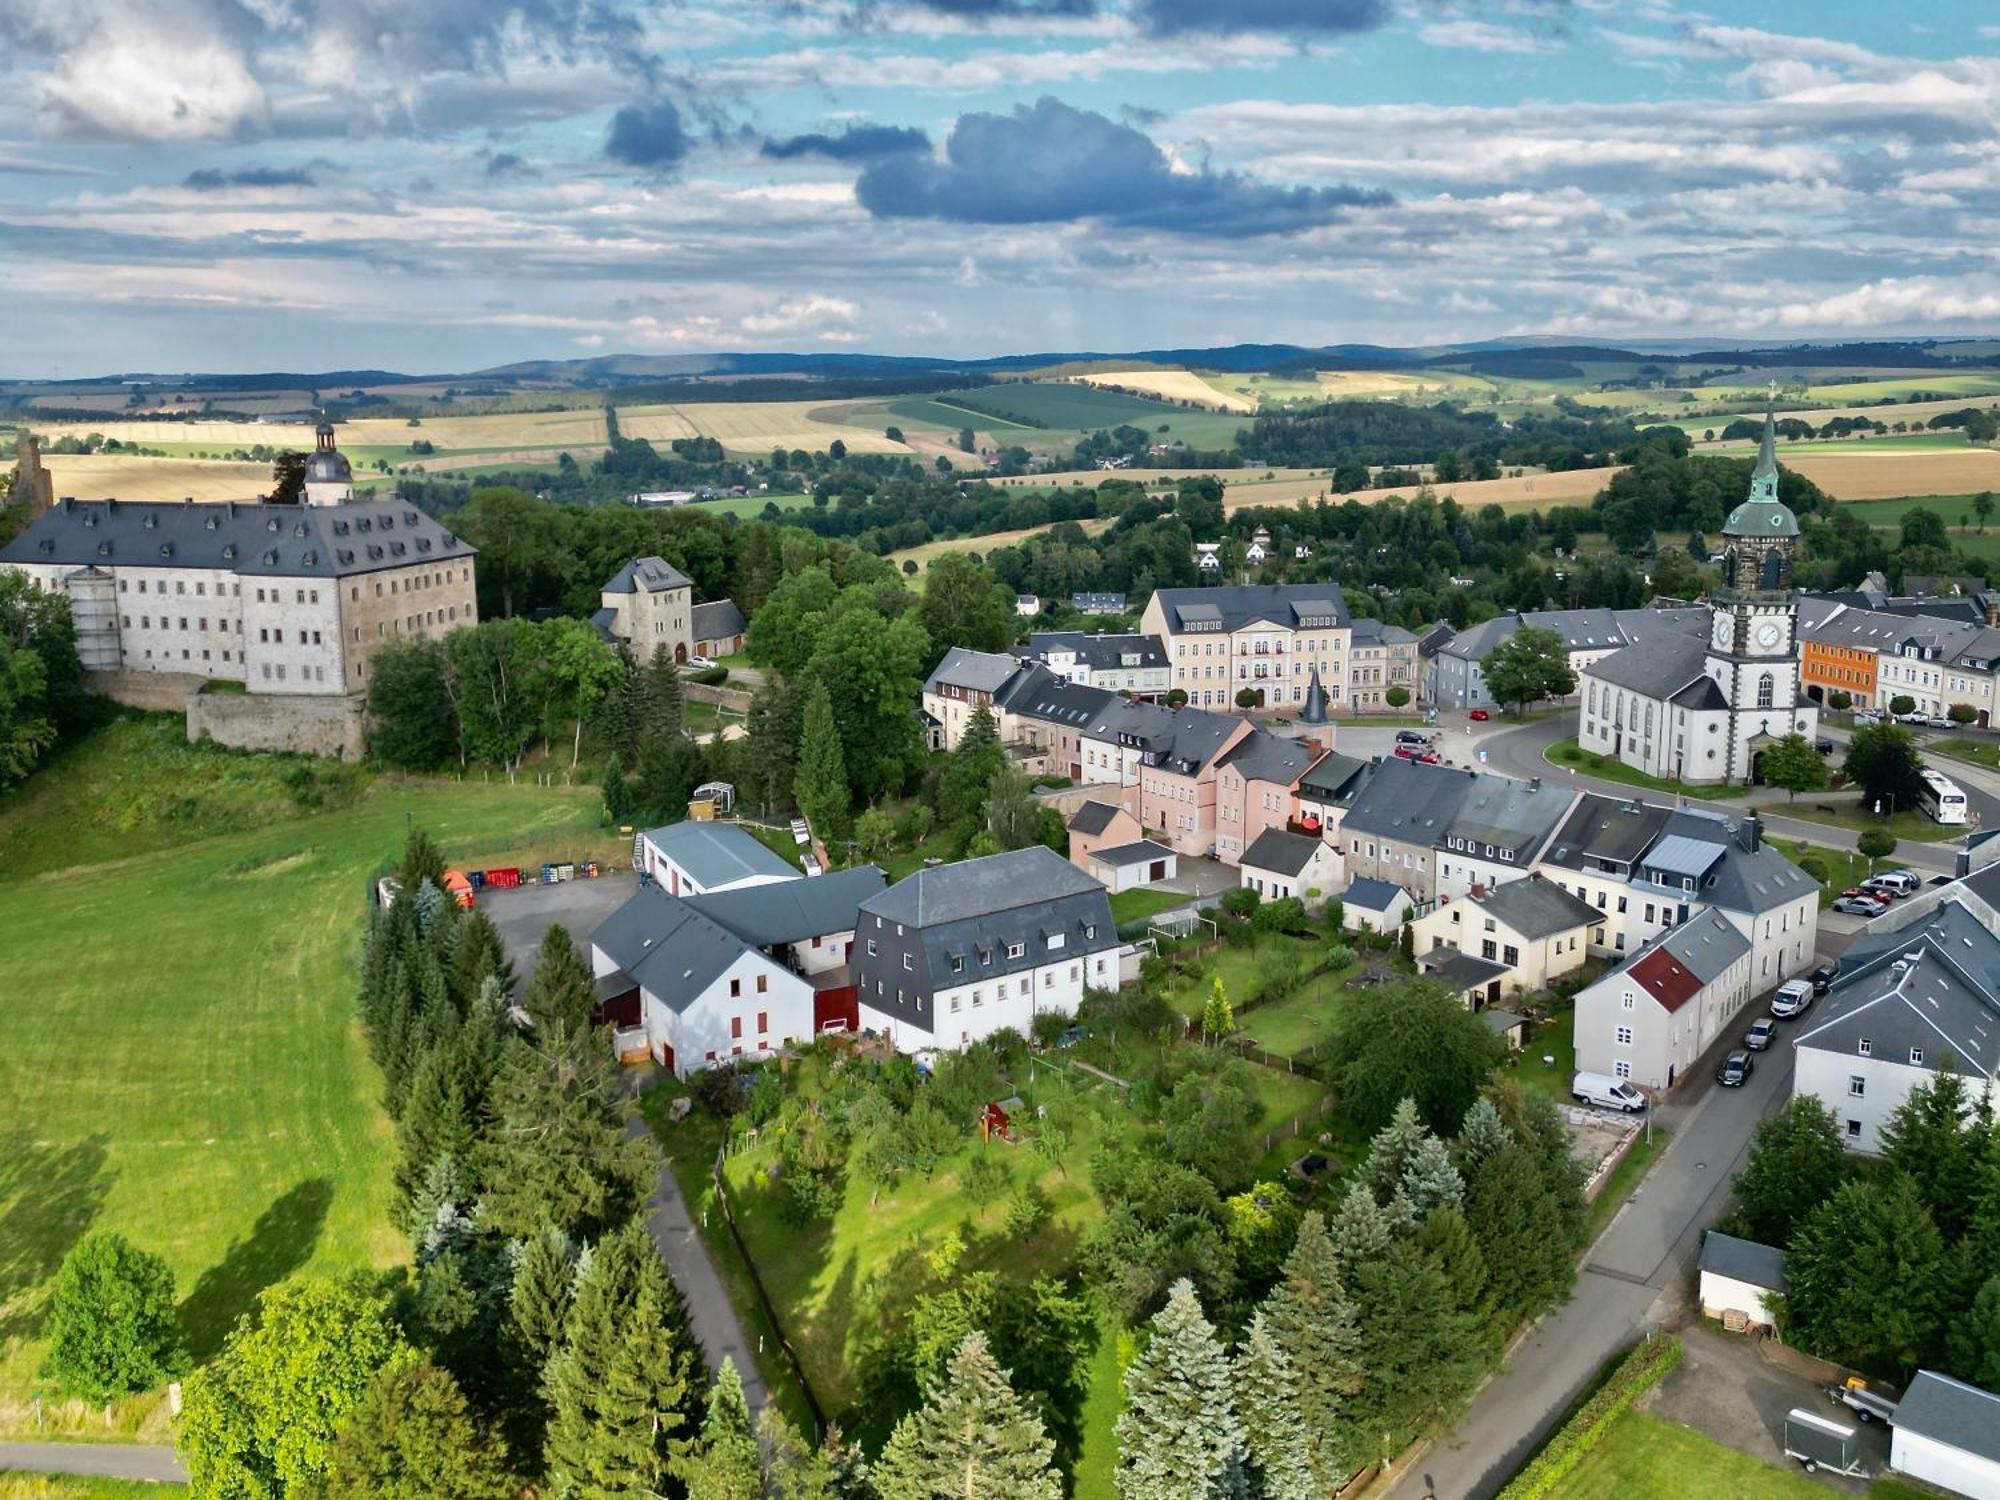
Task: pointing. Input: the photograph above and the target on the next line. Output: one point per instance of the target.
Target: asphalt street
(95, 1460)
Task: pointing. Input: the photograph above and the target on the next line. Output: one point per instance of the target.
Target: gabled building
(691, 859)
(1266, 638)
(1392, 827)
(956, 952)
(1255, 785)
(1596, 855)
(1133, 664)
(718, 628)
(649, 604)
(1704, 859)
(1096, 603)
(1381, 657)
(962, 683)
(1496, 833)
(1906, 1003)
(1279, 864)
(1649, 1020)
(1457, 673)
(1531, 927)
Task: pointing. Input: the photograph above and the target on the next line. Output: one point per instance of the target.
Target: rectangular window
(735, 989)
(735, 1027)
(763, 1020)
(1854, 1130)
(907, 964)
(1857, 1086)
(1916, 1057)
(1867, 1047)
(1624, 1036)
(1621, 1068)
(763, 987)
(1510, 955)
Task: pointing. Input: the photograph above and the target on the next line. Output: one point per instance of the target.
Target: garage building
(1738, 1279)
(1947, 1433)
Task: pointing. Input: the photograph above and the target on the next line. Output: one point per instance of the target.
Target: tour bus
(1940, 799)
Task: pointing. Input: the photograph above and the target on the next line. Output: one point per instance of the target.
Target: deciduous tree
(111, 1325)
(1793, 764)
(1531, 664)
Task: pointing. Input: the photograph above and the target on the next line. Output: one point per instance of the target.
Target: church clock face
(1724, 628)
(1768, 635)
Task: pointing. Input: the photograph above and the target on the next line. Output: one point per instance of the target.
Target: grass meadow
(178, 1056)
(1644, 1457)
(79, 1487)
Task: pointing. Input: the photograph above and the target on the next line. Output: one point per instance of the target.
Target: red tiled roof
(1666, 979)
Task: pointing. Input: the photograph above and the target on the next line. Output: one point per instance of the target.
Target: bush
(1597, 762)
(1241, 902)
(1339, 956)
(1902, 704)
(1814, 866)
(1335, 914)
(1049, 1025)
(1840, 701)
(710, 676)
(1641, 1370)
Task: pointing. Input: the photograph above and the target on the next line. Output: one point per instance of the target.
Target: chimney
(1751, 833)
(1992, 608)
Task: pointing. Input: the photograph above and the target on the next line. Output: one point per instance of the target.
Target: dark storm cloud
(854, 143)
(1010, 10)
(212, 180)
(509, 164)
(1051, 163)
(648, 135)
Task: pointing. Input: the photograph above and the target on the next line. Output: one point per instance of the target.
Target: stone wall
(733, 699)
(159, 691)
(272, 721)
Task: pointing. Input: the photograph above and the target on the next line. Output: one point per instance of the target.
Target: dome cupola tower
(329, 476)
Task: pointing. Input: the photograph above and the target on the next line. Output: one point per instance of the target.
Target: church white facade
(1703, 709)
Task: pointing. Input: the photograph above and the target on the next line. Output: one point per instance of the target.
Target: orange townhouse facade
(1834, 667)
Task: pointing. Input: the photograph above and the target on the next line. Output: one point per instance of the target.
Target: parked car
(1407, 752)
(1908, 880)
(1793, 996)
(1412, 737)
(1912, 718)
(1606, 1092)
(1429, 758)
(1479, 716)
(1858, 906)
(1867, 716)
(1823, 745)
(1735, 1070)
(1758, 1037)
(1821, 977)
(1936, 721)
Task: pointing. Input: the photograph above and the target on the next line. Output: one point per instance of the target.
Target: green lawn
(179, 1059)
(1644, 1457)
(1130, 906)
(1295, 1024)
(1844, 868)
(1908, 827)
(1569, 755)
(1555, 1038)
(73, 1487)
(749, 507)
(1981, 752)
(1238, 970)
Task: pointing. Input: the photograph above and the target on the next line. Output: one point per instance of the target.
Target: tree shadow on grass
(279, 1243)
(49, 1196)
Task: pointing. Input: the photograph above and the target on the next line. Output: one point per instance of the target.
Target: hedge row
(1641, 1370)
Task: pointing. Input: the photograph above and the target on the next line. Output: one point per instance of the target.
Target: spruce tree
(1940, 1136)
(662, 701)
(1360, 1229)
(819, 785)
(771, 744)
(439, 1120)
(1420, 1351)
(972, 1436)
(1481, 1135)
(963, 783)
(1797, 1160)
(617, 796)
(1430, 1181)
(539, 1302)
(412, 1437)
(1179, 1434)
(556, 1154)
(421, 861)
(616, 715)
(1274, 1431)
(1312, 1321)
(725, 1463)
(1520, 1226)
(561, 992)
(621, 1388)
(1449, 1241)
(1391, 1149)
(477, 953)
(794, 1470)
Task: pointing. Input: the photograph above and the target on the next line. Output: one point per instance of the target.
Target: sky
(444, 185)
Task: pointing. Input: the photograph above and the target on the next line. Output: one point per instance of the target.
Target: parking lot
(524, 914)
(1727, 1390)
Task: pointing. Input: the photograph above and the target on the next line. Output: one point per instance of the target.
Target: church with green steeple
(1704, 711)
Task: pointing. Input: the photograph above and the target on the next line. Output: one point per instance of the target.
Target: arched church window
(1729, 568)
(1764, 691)
(1774, 562)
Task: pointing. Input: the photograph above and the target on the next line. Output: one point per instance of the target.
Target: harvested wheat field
(1861, 475)
(158, 434)
(754, 428)
(445, 463)
(582, 428)
(100, 476)
(1530, 492)
(1171, 385)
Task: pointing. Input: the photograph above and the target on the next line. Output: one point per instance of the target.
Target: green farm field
(1027, 408)
(76, 1487)
(179, 1060)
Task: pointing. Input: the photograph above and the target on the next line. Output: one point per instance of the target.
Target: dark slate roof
(1460, 970)
(1332, 776)
(1509, 814)
(792, 911)
(1580, 629)
(1041, 694)
(247, 538)
(603, 620)
(1093, 817)
(1606, 833)
(1280, 850)
(1099, 652)
(978, 887)
(1229, 609)
(1375, 633)
(977, 671)
(1371, 894)
(1945, 1001)
(1953, 1413)
(1535, 907)
(718, 853)
(667, 946)
(1145, 851)
(1181, 740)
(1657, 667)
(716, 620)
(650, 575)
(1741, 879)
(1743, 1260)
(1263, 756)
(1409, 802)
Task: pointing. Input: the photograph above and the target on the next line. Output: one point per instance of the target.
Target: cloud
(854, 143)
(816, 316)
(1897, 302)
(509, 164)
(213, 180)
(1289, 17)
(1485, 36)
(1052, 163)
(1010, 10)
(648, 135)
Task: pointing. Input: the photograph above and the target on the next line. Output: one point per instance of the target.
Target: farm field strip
(98, 476)
(1172, 385)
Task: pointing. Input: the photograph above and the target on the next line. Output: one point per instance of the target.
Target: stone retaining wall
(270, 721)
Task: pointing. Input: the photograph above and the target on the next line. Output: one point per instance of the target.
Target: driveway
(524, 914)
(1630, 1281)
(95, 1460)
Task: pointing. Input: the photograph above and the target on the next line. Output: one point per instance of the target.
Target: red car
(1479, 716)
(1407, 752)
(1429, 758)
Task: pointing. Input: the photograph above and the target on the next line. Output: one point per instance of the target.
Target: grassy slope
(178, 1060)
(1644, 1457)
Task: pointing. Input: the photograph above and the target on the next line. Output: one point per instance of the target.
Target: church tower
(1753, 650)
(329, 476)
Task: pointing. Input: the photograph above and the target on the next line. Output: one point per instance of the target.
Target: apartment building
(1132, 664)
(1456, 678)
(1267, 638)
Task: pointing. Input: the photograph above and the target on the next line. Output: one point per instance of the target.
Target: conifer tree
(967, 776)
(771, 745)
(1521, 1232)
(1274, 1432)
(1360, 1229)
(421, 861)
(621, 1389)
(539, 1302)
(1449, 1241)
(560, 992)
(1218, 1020)
(431, 904)
(819, 785)
(1481, 1134)
(725, 1463)
(615, 716)
(412, 1437)
(794, 1470)
(662, 701)
(1430, 1181)
(1391, 1149)
(1179, 1434)
(1312, 1321)
(1420, 1351)
(617, 796)
(555, 1153)
(972, 1436)
(477, 953)
(436, 1124)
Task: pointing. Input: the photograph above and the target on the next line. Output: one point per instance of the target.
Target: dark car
(1758, 1037)
(1823, 745)
(1822, 977)
(1735, 1070)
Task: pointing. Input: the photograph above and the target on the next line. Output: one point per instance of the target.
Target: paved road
(1631, 1278)
(98, 1460)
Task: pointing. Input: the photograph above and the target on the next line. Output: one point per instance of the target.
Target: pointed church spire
(1315, 709)
(1767, 452)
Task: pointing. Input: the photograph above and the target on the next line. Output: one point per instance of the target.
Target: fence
(1286, 1130)
(764, 1302)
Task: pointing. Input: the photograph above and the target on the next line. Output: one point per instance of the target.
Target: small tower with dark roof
(1315, 709)
(329, 476)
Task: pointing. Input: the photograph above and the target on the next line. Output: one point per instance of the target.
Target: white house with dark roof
(1741, 1278)
(1126, 867)
(1946, 1432)
(1534, 929)
(648, 604)
(1456, 674)
(1703, 710)
(690, 859)
(1496, 832)
(718, 628)
(955, 952)
(1649, 1020)
(1907, 1002)
(1128, 663)
(960, 685)
(1279, 864)
(1596, 855)
(1369, 905)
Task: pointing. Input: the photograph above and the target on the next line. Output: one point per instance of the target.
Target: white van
(1793, 996)
(1606, 1092)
